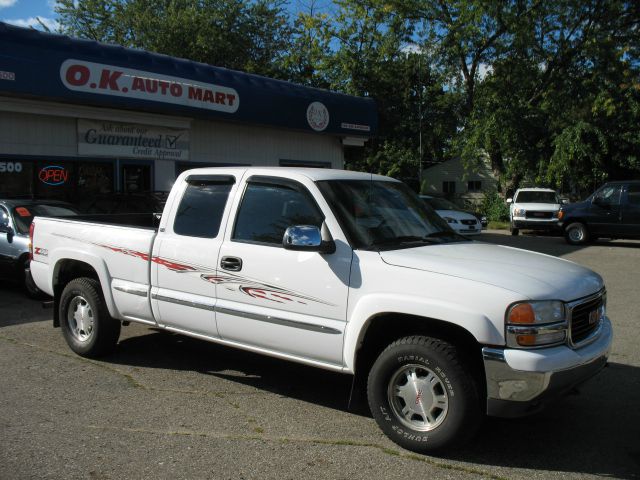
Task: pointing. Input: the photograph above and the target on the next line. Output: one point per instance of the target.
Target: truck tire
(576, 233)
(514, 231)
(421, 395)
(86, 325)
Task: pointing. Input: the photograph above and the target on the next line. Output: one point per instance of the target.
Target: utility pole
(420, 122)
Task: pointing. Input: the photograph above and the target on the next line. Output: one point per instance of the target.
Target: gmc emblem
(593, 317)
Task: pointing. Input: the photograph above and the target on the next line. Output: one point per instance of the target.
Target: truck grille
(586, 318)
(545, 215)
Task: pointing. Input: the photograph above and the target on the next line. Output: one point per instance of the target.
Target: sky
(25, 13)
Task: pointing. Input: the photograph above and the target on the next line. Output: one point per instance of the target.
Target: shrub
(494, 207)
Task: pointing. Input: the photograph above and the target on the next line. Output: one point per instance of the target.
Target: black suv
(613, 211)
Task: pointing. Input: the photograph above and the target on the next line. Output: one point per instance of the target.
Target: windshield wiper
(403, 239)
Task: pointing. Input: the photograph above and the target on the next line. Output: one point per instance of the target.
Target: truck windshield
(384, 215)
(537, 197)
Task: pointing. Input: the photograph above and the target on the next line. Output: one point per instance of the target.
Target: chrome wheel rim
(576, 234)
(80, 318)
(418, 397)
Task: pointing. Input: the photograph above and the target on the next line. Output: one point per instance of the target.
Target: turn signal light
(560, 214)
(522, 313)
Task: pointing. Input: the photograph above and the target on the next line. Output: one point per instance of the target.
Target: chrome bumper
(521, 382)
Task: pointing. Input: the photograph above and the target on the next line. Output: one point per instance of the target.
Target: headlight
(535, 324)
(450, 220)
(519, 212)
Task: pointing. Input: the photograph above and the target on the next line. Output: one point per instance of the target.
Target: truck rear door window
(200, 211)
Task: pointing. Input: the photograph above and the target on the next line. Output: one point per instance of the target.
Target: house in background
(452, 180)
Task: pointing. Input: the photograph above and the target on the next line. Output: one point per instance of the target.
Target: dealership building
(79, 117)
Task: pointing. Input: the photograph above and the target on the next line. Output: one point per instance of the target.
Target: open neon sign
(53, 175)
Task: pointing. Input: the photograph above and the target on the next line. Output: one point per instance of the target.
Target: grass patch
(496, 225)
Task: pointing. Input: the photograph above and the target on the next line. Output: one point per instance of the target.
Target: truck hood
(532, 275)
(457, 214)
(539, 207)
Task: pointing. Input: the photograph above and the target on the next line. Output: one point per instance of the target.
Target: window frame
(474, 190)
(278, 182)
(450, 183)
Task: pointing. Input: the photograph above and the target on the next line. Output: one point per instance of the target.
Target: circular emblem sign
(317, 116)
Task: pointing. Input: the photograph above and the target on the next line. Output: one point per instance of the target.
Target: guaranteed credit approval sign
(101, 79)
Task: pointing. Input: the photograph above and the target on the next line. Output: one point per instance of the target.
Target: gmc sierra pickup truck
(340, 270)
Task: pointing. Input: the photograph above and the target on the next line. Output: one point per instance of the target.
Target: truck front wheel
(86, 325)
(421, 396)
(576, 233)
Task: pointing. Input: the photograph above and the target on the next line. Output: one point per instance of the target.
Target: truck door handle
(233, 264)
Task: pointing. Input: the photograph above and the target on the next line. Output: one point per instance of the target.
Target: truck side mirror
(307, 238)
(564, 201)
(509, 200)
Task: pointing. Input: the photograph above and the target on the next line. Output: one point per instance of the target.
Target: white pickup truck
(340, 270)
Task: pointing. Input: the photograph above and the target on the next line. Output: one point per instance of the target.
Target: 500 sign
(10, 167)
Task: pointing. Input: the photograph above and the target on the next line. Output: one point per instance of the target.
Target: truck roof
(315, 174)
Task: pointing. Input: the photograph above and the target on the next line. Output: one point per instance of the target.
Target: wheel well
(385, 328)
(571, 220)
(67, 270)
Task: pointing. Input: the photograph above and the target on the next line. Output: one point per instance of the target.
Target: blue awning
(34, 64)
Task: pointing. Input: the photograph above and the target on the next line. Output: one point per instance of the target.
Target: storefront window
(55, 178)
(95, 178)
(15, 178)
(136, 178)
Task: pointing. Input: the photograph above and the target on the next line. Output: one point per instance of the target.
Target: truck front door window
(268, 209)
(608, 196)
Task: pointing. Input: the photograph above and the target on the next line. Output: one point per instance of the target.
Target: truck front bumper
(522, 382)
(531, 224)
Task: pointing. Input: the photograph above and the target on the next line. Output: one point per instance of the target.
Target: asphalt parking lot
(167, 406)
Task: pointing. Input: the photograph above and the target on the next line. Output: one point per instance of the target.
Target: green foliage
(249, 36)
(548, 91)
(494, 207)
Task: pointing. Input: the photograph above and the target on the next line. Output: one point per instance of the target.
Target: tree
(248, 36)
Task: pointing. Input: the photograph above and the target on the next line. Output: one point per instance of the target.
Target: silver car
(15, 219)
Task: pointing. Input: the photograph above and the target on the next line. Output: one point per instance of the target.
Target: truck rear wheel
(421, 396)
(86, 325)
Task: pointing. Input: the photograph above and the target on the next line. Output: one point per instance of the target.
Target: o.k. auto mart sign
(113, 139)
(101, 79)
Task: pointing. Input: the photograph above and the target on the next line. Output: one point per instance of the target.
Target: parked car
(460, 220)
(534, 209)
(612, 211)
(109, 203)
(16, 216)
(340, 270)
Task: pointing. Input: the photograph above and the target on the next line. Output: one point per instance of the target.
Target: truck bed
(138, 220)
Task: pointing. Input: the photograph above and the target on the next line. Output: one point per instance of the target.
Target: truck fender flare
(95, 262)
(370, 306)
